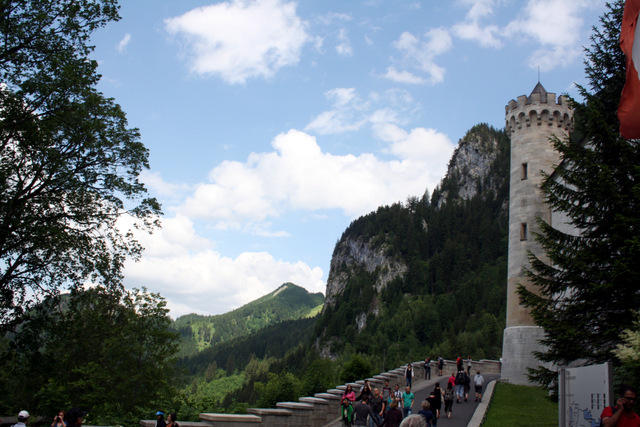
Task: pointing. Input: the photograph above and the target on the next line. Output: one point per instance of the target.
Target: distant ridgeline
(288, 302)
(428, 274)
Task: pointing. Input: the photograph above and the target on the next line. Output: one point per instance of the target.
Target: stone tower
(530, 121)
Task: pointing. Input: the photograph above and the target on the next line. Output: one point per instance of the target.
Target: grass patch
(519, 405)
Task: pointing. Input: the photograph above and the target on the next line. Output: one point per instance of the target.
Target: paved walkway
(463, 414)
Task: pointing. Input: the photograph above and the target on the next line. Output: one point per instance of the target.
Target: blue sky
(272, 124)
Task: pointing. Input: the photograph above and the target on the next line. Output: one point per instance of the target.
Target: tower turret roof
(541, 90)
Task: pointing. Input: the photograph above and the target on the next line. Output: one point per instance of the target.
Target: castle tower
(530, 121)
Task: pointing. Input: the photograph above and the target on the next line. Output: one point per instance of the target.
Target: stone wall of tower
(530, 122)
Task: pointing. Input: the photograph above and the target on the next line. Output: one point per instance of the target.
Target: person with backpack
(459, 386)
(427, 368)
(622, 414)
(448, 400)
(467, 386)
(440, 365)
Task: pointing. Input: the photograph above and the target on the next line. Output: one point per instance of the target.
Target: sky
(272, 124)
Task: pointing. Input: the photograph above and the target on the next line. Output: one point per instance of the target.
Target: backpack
(460, 378)
(448, 394)
(347, 412)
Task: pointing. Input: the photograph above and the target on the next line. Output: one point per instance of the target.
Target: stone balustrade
(323, 409)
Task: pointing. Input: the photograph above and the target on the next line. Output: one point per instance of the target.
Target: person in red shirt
(622, 414)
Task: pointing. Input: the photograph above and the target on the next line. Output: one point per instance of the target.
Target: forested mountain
(428, 275)
(288, 302)
(414, 279)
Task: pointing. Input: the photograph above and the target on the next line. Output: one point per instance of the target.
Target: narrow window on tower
(524, 173)
(523, 231)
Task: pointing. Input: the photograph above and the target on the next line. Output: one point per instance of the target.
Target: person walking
(387, 395)
(428, 414)
(427, 368)
(435, 402)
(397, 395)
(407, 399)
(448, 400)
(440, 365)
(452, 380)
(393, 417)
(469, 365)
(459, 386)
(361, 411)
(377, 404)
(408, 374)
(467, 386)
(478, 381)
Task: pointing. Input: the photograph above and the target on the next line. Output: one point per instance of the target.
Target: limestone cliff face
(469, 168)
(352, 254)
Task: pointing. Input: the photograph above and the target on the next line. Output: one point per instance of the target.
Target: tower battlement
(539, 108)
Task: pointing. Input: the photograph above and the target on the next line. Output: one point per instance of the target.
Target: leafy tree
(628, 353)
(356, 368)
(109, 352)
(69, 165)
(588, 284)
(279, 388)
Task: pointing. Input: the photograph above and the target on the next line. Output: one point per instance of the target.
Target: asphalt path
(462, 412)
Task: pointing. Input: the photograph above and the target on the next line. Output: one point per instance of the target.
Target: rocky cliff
(469, 173)
(414, 246)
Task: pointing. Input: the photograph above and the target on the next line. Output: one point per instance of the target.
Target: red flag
(629, 108)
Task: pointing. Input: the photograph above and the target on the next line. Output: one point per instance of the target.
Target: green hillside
(288, 302)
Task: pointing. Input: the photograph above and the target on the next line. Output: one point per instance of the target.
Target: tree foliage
(588, 283)
(111, 353)
(69, 164)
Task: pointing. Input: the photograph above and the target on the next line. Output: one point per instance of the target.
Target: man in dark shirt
(377, 406)
(361, 411)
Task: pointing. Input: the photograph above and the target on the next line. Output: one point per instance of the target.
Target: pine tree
(588, 283)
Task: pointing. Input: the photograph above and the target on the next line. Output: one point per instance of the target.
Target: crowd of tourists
(394, 407)
(75, 417)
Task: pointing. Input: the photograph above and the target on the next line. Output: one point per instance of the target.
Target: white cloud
(331, 17)
(420, 143)
(206, 282)
(122, 45)
(241, 39)
(345, 115)
(298, 175)
(472, 29)
(554, 24)
(403, 77)
(487, 36)
(556, 27)
(344, 47)
(420, 54)
(350, 113)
